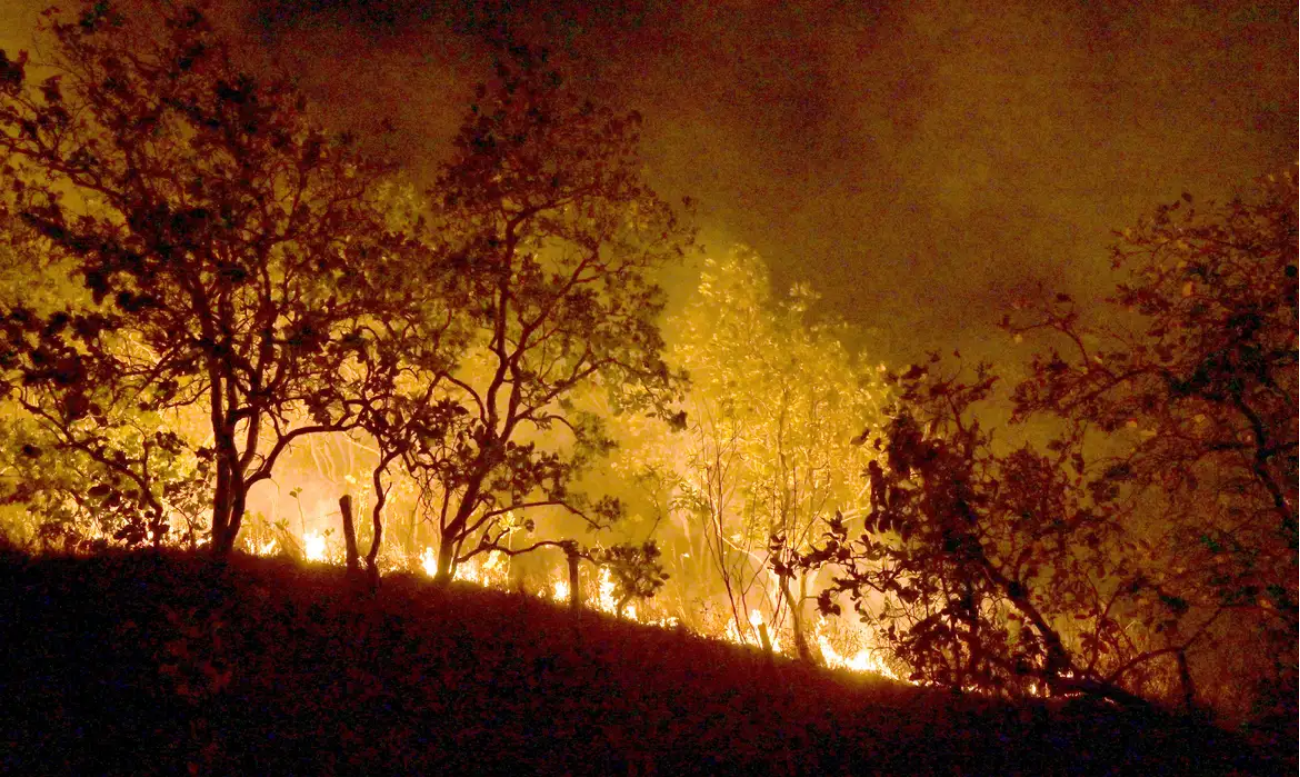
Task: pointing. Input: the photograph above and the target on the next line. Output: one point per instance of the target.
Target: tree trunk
(377, 521)
(224, 529)
(797, 623)
(238, 503)
(228, 506)
(221, 511)
(349, 534)
(446, 556)
(575, 590)
(764, 638)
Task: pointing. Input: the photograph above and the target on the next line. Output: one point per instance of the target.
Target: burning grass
(163, 664)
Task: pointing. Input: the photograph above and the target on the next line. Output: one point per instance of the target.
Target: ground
(146, 663)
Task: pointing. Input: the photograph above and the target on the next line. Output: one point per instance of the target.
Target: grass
(169, 663)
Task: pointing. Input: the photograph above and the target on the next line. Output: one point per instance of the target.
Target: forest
(230, 330)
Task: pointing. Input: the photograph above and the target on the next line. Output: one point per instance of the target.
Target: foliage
(773, 405)
(222, 239)
(635, 570)
(1154, 538)
(1197, 397)
(551, 238)
(978, 568)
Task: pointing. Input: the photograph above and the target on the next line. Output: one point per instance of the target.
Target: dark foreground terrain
(171, 664)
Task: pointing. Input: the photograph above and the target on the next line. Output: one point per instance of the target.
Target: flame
(490, 571)
(468, 572)
(605, 599)
(864, 660)
(735, 635)
(313, 544)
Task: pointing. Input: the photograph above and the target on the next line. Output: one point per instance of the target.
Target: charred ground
(152, 663)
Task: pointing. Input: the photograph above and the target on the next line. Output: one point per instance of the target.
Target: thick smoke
(917, 163)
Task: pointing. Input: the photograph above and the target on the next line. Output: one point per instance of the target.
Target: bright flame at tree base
(491, 571)
(865, 660)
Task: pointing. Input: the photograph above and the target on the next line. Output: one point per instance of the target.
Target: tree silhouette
(1195, 390)
(226, 244)
(774, 402)
(1152, 543)
(550, 237)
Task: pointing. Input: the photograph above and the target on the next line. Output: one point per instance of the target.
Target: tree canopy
(222, 239)
(551, 242)
(250, 279)
(774, 402)
(1152, 543)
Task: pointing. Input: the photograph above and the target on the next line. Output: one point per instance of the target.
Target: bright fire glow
(865, 660)
(736, 635)
(491, 570)
(606, 601)
(313, 546)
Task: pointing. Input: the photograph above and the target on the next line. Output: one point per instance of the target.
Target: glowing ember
(313, 546)
(861, 661)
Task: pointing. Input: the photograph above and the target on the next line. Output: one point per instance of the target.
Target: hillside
(163, 664)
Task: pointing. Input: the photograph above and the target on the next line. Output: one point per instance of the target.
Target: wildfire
(750, 636)
(864, 660)
(313, 546)
(861, 661)
(607, 602)
(491, 570)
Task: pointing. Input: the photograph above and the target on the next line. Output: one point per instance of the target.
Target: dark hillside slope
(172, 664)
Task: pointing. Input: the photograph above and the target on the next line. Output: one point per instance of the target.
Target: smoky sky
(920, 164)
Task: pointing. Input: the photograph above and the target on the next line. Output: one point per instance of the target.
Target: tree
(552, 239)
(1136, 554)
(1198, 398)
(774, 403)
(225, 242)
(976, 567)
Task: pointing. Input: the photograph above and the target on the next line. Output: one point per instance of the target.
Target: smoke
(918, 163)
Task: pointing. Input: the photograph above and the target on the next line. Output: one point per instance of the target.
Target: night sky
(919, 164)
